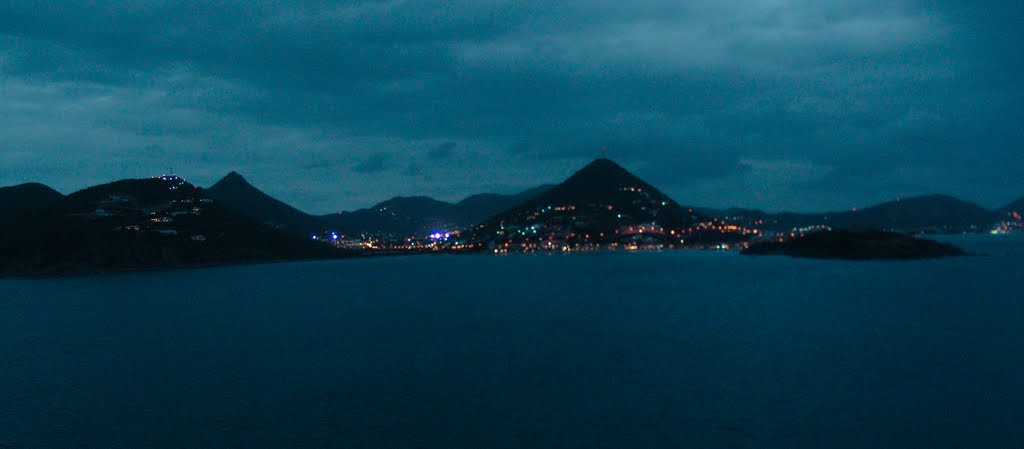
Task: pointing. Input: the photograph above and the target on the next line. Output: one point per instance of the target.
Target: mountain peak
(602, 161)
(234, 177)
(237, 194)
(25, 199)
(603, 165)
(600, 175)
(601, 204)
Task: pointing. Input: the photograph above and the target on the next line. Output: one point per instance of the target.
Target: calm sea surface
(673, 349)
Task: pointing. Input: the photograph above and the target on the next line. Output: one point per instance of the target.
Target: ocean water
(645, 350)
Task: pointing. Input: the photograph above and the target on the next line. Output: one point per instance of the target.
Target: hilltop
(602, 204)
(236, 193)
(25, 199)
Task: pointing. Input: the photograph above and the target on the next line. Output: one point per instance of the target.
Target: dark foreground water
(677, 349)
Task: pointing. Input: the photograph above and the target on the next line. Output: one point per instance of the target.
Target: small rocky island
(855, 245)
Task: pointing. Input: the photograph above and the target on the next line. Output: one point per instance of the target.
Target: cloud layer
(780, 104)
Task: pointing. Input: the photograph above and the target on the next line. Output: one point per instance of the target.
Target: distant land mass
(25, 199)
(923, 213)
(166, 222)
(1012, 216)
(930, 213)
(602, 204)
(1016, 206)
(141, 224)
(398, 216)
(854, 245)
(421, 214)
(477, 208)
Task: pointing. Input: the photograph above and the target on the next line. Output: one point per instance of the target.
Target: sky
(776, 104)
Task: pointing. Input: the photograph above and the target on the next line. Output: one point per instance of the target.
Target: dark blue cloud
(871, 99)
(376, 163)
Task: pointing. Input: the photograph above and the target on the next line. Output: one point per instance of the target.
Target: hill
(399, 216)
(25, 199)
(477, 208)
(234, 192)
(402, 216)
(930, 213)
(923, 213)
(1016, 206)
(1012, 216)
(141, 224)
(602, 204)
(420, 214)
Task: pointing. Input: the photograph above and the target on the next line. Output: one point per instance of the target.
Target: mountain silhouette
(605, 183)
(142, 224)
(938, 213)
(422, 214)
(477, 208)
(918, 213)
(236, 193)
(399, 215)
(22, 200)
(602, 203)
(1016, 206)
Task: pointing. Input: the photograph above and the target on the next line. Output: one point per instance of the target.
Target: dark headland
(855, 245)
(141, 224)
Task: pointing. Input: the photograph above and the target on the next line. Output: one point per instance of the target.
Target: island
(854, 245)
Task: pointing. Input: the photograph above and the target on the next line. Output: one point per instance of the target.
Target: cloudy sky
(776, 104)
